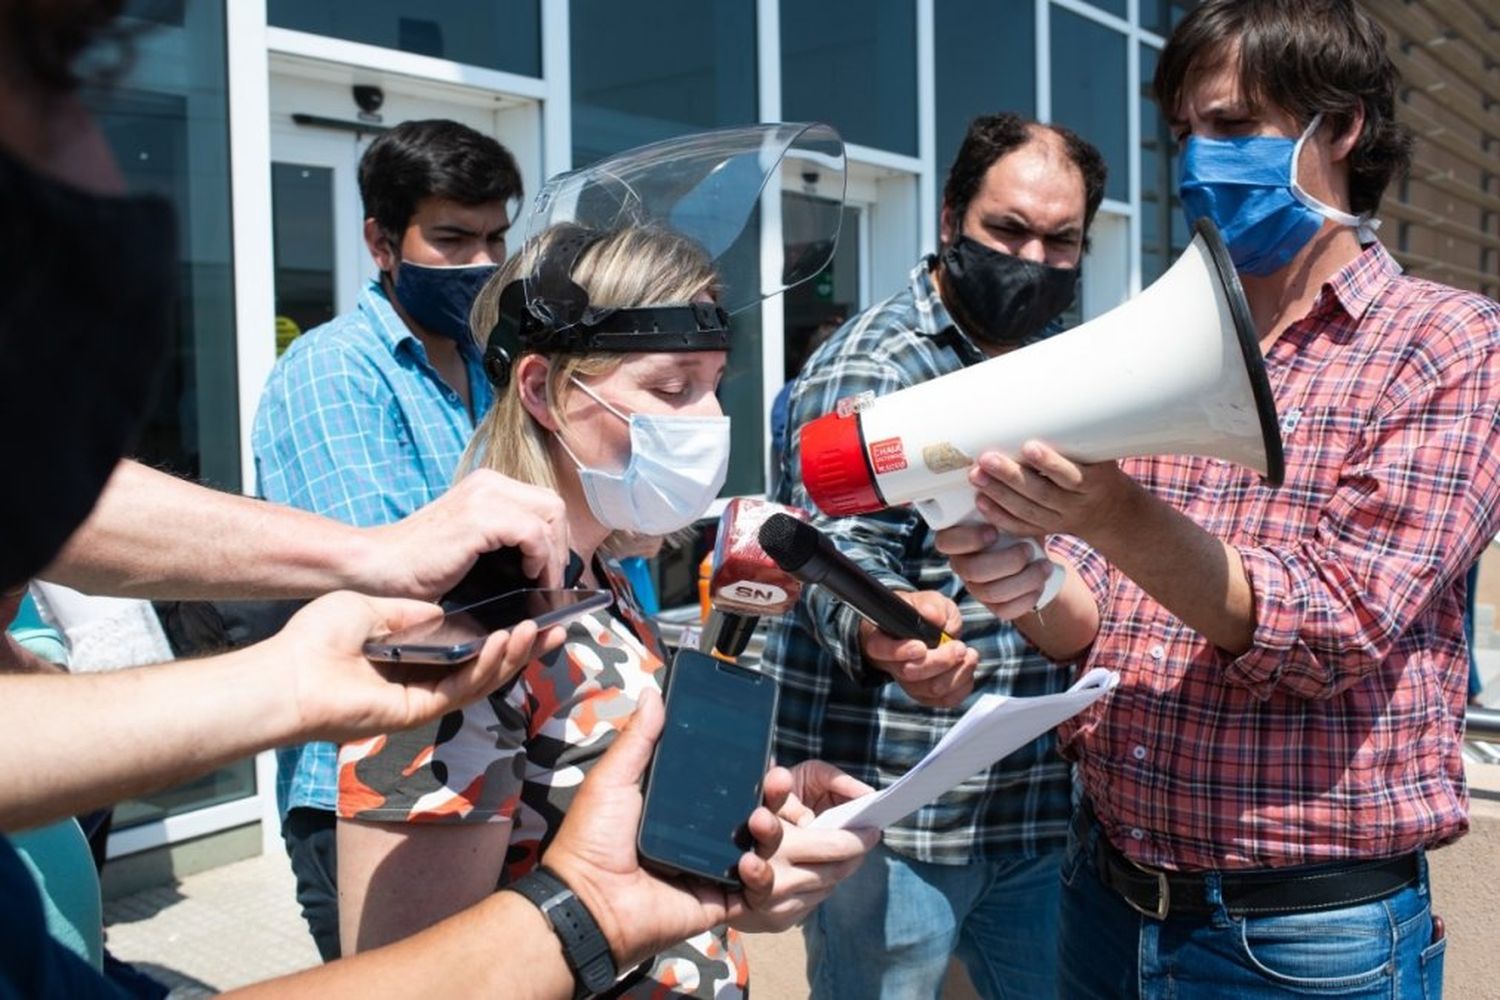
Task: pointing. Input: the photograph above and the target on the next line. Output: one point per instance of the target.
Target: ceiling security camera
(368, 97)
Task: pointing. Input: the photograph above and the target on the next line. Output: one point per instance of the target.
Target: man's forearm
(153, 535)
(1188, 571)
(70, 747)
(502, 947)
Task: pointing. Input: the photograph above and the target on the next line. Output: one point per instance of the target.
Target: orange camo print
(422, 760)
(354, 794)
(458, 806)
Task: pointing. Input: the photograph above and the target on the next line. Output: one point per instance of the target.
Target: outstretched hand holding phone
(310, 681)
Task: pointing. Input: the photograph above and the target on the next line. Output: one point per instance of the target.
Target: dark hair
(41, 39)
(1305, 57)
(992, 136)
(437, 157)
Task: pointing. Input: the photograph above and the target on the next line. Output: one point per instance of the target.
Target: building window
(1161, 16)
(1164, 232)
(302, 201)
(1089, 91)
(498, 34)
(658, 69)
(647, 71)
(167, 123)
(852, 64)
(1115, 7)
(986, 63)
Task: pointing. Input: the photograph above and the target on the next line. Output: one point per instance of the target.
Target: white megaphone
(1177, 370)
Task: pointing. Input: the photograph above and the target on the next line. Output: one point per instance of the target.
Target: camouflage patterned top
(520, 755)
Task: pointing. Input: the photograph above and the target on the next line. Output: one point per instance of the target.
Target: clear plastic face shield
(717, 196)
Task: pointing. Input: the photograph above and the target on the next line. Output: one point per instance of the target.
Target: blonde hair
(625, 268)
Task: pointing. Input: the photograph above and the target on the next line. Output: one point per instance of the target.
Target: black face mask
(87, 301)
(1000, 298)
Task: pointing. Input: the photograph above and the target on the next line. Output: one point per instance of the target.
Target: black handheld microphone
(810, 556)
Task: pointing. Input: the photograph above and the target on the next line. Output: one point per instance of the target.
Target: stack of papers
(994, 727)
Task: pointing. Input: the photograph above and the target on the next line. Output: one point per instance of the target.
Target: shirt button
(1139, 753)
(1136, 833)
(1157, 652)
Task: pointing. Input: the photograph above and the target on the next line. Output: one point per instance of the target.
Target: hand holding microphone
(903, 639)
(938, 677)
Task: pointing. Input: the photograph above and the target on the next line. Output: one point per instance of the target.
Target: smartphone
(460, 634)
(705, 777)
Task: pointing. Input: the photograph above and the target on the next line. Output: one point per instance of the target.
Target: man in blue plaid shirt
(976, 872)
(364, 418)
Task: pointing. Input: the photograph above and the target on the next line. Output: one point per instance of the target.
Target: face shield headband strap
(696, 326)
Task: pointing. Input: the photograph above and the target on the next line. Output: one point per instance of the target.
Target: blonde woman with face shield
(636, 443)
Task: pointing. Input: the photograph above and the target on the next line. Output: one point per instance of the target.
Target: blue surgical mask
(1248, 188)
(439, 298)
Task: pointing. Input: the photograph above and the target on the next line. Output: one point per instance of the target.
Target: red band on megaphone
(835, 468)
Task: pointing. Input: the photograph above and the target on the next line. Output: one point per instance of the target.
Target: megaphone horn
(1176, 370)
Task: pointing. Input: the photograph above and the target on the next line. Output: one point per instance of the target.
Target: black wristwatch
(583, 944)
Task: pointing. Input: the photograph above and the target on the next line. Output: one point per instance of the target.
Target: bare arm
(75, 743)
(1199, 578)
(501, 947)
(1190, 572)
(154, 535)
(396, 879)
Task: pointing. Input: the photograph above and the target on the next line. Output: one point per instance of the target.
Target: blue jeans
(1108, 950)
(889, 930)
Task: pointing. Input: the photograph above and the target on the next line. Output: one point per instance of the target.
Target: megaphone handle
(1055, 576)
(939, 512)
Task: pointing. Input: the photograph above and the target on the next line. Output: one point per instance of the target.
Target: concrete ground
(214, 930)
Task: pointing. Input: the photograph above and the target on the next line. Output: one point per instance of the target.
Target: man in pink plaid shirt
(1283, 747)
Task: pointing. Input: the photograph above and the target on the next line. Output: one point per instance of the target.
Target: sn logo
(745, 592)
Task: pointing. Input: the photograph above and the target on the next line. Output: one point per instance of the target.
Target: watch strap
(583, 944)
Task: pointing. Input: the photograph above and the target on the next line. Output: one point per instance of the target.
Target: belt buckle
(1163, 892)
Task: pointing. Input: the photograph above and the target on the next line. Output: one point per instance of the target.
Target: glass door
(316, 226)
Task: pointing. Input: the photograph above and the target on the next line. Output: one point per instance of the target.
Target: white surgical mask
(677, 467)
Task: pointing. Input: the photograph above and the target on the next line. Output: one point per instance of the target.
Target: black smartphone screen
(705, 778)
(461, 633)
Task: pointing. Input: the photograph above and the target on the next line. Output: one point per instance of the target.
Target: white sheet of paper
(993, 727)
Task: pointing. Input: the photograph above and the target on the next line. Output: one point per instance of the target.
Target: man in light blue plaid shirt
(364, 418)
(976, 872)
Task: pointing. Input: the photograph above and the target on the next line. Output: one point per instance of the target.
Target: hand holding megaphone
(958, 509)
(1177, 370)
